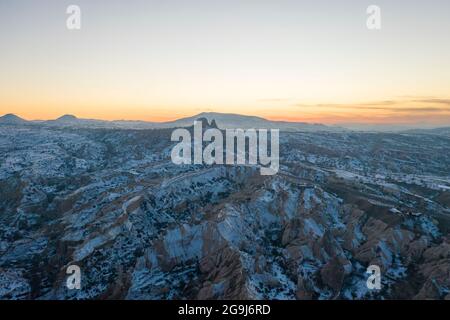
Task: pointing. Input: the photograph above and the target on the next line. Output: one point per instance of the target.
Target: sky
(293, 60)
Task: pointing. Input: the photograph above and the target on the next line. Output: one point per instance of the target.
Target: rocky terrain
(139, 227)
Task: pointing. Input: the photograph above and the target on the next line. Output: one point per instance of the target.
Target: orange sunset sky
(312, 61)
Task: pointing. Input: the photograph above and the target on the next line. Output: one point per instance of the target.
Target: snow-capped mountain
(232, 121)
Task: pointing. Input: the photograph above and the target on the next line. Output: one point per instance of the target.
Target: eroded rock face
(140, 227)
(271, 239)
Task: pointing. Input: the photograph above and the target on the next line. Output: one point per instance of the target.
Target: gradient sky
(292, 60)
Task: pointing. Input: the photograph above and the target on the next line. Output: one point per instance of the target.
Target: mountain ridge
(223, 120)
(11, 118)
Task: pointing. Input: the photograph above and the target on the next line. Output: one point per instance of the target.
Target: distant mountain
(396, 128)
(232, 121)
(222, 120)
(11, 119)
(71, 120)
(444, 131)
(67, 118)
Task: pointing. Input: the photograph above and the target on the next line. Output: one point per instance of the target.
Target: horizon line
(154, 121)
(348, 124)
